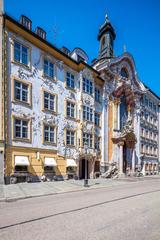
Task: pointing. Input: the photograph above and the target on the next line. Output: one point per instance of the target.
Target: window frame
(24, 169)
(72, 134)
(87, 85)
(20, 61)
(97, 99)
(21, 138)
(49, 142)
(21, 90)
(13, 96)
(99, 119)
(71, 74)
(89, 137)
(54, 110)
(97, 140)
(70, 115)
(87, 114)
(46, 75)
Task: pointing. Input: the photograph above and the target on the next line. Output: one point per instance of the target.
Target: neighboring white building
(149, 132)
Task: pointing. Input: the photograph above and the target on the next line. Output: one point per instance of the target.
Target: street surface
(129, 210)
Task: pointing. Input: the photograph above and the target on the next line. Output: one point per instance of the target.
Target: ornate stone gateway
(126, 143)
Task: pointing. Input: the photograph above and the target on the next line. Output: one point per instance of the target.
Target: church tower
(106, 37)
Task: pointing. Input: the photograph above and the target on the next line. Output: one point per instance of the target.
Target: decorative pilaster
(105, 137)
(121, 158)
(133, 161)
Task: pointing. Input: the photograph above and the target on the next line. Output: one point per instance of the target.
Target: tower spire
(106, 37)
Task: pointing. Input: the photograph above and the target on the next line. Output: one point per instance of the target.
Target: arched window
(124, 73)
(103, 42)
(123, 112)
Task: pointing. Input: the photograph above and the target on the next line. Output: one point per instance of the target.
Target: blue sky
(136, 23)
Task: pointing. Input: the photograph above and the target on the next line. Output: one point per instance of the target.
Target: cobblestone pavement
(27, 190)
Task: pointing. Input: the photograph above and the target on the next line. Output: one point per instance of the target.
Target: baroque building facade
(54, 104)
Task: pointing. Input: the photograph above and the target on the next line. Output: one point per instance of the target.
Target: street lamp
(86, 168)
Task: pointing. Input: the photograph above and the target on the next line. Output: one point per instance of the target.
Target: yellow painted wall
(36, 167)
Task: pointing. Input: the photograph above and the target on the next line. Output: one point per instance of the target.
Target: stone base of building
(29, 179)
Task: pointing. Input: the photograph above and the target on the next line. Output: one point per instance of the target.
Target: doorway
(124, 158)
(82, 169)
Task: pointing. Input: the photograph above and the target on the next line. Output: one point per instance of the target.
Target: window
(21, 53)
(49, 102)
(87, 86)
(150, 104)
(155, 121)
(142, 148)
(70, 110)
(151, 149)
(142, 100)
(87, 138)
(48, 68)
(155, 151)
(49, 134)
(142, 132)
(146, 133)
(70, 137)
(87, 113)
(26, 22)
(147, 149)
(103, 43)
(146, 101)
(80, 59)
(124, 73)
(49, 169)
(21, 128)
(21, 168)
(41, 33)
(154, 108)
(70, 80)
(97, 143)
(146, 116)
(97, 95)
(142, 115)
(97, 119)
(20, 91)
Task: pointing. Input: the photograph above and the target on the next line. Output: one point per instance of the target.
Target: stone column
(133, 161)
(78, 168)
(115, 116)
(121, 158)
(118, 116)
(104, 130)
